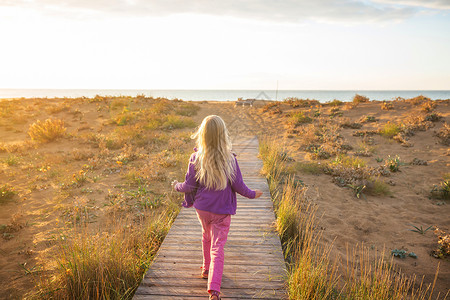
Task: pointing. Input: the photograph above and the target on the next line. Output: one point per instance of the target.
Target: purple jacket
(218, 202)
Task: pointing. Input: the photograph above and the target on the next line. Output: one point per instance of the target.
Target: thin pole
(276, 94)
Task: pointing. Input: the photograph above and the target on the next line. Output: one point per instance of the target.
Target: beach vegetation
(312, 168)
(377, 187)
(106, 265)
(53, 109)
(125, 117)
(187, 109)
(177, 122)
(443, 244)
(347, 123)
(360, 99)
(334, 103)
(428, 106)
(311, 272)
(17, 147)
(418, 100)
(349, 161)
(433, 117)
(420, 229)
(387, 105)
(357, 189)
(12, 160)
(390, 130)
(299, 118)
(368, 119)
(393, 163)
(119, 103)
(47, 131)
(297, 102)
(7, 192)
(335, 112)
(364, 149)
(169, 122)
(318, 152)
(444, 134)
(272, 107)
(442, 190)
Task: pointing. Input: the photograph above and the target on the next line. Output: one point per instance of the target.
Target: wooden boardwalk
(254, 265)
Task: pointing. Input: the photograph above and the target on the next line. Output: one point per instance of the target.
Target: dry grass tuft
(296, 102)
(428, 106)
(47, 131)
(444, 134)
(107, 265)
(387, 105)
(418, 100)
(360, 99)
(7, 192)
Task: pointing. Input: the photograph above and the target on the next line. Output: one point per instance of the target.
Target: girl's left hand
(174, 183)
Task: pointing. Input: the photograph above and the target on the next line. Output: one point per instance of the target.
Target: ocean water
(224, 95)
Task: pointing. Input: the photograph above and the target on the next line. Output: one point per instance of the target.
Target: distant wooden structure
(244, 102)
(254, 264)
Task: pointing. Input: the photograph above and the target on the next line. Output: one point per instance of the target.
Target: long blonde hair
(214, 163)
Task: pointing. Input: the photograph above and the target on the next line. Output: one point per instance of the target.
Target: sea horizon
(225, 95)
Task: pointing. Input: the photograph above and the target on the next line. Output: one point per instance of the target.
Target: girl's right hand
(258, 193)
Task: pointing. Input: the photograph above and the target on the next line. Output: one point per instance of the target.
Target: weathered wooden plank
(200, 282)
(161, 273)
(231, 253)
(233, 240)
(229, 268)
(257, 260)
(226, 292)
(191, 297)
(268, 249)
(255, 234)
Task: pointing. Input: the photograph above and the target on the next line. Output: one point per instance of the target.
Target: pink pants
(215, 229)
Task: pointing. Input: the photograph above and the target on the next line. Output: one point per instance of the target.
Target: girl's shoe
(215, 295)
(205, 273)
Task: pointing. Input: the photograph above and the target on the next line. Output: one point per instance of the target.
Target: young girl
(212, 180)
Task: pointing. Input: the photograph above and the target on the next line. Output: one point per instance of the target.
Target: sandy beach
(376, 171)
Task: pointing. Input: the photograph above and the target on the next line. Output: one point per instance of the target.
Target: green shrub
(313, 168)
(390, 130)
(377, 188)
(300, 118)
(12, 160)
(334, 103)
(177, 122)
(118, 103)
(441, 191)
(393, 163)
(349, 161)
(187, 109)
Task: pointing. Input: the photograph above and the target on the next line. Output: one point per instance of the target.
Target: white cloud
(433, 4)
(348, 11)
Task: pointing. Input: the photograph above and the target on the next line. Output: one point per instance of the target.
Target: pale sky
(221, 44)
